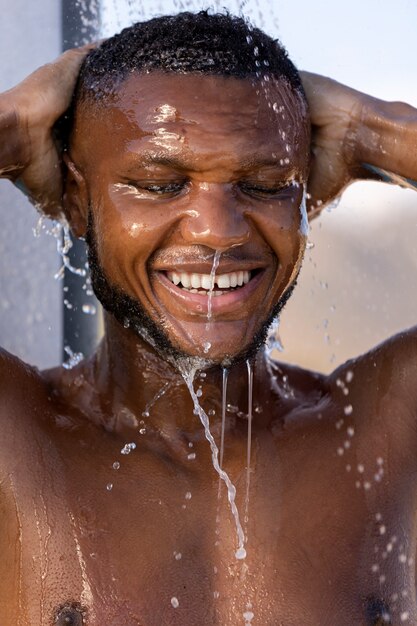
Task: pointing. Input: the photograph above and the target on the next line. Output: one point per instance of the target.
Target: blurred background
(357, 286)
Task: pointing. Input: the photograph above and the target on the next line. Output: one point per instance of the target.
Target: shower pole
(81, 330)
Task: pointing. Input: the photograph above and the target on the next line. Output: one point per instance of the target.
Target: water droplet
(74, 358)
(188, 495)
(116, 465)
(127, 448)
(191, 456)
(109, 486)
(240, 553)
(175, 603)
(89, 309)
(248, 616)
(206, 346)
(348, 409)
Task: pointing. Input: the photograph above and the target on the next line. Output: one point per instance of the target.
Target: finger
(326, 182)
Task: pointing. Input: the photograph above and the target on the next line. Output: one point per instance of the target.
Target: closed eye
(160, 189)
(266, 191)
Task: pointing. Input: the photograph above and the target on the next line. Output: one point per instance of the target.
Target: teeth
(223, 281)
(195, 281)
(185, 280)
(201, 283)
(174, 277)
(205, 281)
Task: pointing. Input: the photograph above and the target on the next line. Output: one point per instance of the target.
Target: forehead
(199, 114)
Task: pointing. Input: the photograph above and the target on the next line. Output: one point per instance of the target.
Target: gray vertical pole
(80, 24)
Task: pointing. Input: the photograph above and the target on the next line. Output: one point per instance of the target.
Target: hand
(336, 112)
(35, 105)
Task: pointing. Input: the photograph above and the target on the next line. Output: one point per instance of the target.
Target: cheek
(282, 229)
(127, 233)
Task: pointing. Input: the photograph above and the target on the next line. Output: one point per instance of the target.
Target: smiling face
(182, 170)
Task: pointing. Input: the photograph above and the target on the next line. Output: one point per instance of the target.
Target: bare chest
(113, 539)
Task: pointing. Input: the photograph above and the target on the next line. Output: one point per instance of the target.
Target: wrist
(13, 147)
(386, 137)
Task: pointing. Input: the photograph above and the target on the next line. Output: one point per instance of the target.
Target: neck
(139, 387)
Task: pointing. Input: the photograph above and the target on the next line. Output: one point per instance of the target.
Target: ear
(75, 199)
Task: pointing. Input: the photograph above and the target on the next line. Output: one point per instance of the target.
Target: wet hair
(199, 43)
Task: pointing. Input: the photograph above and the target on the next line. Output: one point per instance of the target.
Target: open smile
(195, 290)
(204, 283)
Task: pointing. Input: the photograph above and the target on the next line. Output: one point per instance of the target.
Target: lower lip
(198, 304)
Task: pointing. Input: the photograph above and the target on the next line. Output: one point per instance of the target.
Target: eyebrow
(164, 159)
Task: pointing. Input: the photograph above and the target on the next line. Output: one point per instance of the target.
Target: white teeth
(195, 281)
(200, 283)
(174, 277)
(185, 280)
(223, 281)
(205, 281)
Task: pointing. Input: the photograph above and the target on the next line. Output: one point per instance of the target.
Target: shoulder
(387, 371)
(16, 375)
(379, 388)
(24, 398)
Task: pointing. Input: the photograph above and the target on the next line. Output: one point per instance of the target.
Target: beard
(130, 313)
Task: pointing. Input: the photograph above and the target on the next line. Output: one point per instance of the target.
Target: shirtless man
(179, 150)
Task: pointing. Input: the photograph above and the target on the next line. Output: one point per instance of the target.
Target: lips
(195, 300)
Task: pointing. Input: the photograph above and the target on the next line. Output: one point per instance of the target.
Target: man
(187, 160)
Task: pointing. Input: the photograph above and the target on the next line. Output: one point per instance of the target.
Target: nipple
(69, 615)
(378, 612)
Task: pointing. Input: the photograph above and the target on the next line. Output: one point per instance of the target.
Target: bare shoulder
(388, 370)
(16, 376)
(379, 389)
(23, 399)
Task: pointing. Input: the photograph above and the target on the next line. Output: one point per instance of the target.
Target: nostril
(70, 614)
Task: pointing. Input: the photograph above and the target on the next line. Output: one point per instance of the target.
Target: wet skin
(331, 528)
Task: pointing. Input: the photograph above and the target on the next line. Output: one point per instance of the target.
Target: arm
(28, 153)
(355, 136)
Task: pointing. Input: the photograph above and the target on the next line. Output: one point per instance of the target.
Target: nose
(216, 219)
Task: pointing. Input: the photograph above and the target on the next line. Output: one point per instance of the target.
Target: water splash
(304, 225)
(74, 358)
(225, 373)
(188, 373)
(216, 261)
(61, 231)
(249, 442)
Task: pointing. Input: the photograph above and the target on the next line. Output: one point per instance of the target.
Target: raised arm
(356, 136)
(28, 153)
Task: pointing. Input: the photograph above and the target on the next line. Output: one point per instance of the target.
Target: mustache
(198, 252)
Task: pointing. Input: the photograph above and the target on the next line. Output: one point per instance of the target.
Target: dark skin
(332, 506)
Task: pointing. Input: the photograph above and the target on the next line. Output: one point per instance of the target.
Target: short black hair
(202, 43)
